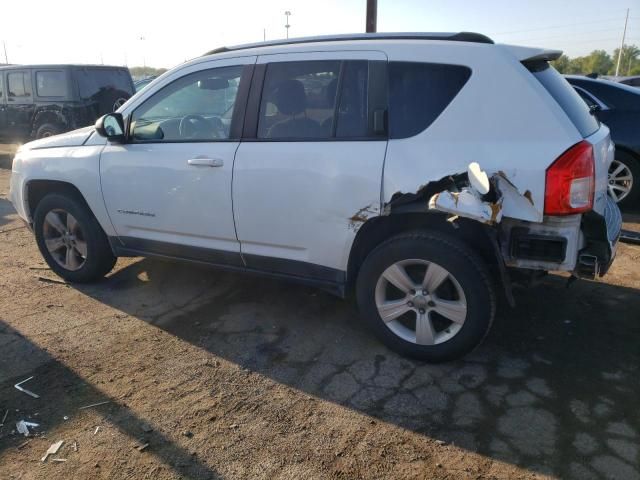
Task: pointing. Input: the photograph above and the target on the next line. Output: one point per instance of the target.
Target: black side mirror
(111, 126)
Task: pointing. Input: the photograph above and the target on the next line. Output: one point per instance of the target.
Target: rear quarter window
(93, 82)
(419, 93)
(568, 99)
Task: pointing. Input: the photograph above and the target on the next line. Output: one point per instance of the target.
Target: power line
(560, 35)
(617, 19)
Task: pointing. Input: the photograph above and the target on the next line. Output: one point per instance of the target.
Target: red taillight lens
(570, 181)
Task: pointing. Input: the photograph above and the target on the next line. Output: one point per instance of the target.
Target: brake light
(570, 181)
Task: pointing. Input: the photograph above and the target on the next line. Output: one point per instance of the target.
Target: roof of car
(603, 81)
(61, 65)
(451, 37)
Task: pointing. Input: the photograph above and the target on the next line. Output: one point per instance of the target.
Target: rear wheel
(48, 130)
(427, 296)
(624, 175)
(71, 240)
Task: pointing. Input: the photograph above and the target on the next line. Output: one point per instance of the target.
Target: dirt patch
(231, 376)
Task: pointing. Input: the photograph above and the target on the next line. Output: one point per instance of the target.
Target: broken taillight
(570, 181)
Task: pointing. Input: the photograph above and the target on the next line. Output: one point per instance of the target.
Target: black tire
(99, 259)
(461, 262)
(632, 200)
(48, 130)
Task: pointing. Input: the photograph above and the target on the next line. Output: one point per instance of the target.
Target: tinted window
(51, 83)
(634, 82)
(587, 98)
(298, 100)
(94, 82)
(352, 121)
(564, 94)
(1, 91)
(197, 107)
(18, 84)
(622, 97)
(419, 93)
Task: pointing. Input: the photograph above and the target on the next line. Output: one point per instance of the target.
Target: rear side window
(18, 84)
(568, 99)
(419, 93)
(51, 83)
(299, 100)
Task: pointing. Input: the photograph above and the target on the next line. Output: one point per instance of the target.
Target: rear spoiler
(532, 54)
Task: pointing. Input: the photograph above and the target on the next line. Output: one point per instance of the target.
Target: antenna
(287, 14)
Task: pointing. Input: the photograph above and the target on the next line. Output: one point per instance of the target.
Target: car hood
(74, 138)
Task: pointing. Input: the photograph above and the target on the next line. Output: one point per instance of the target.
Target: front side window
(18, 85)
(299, 100)
(419, 93)
(51, 83)
(197, 107)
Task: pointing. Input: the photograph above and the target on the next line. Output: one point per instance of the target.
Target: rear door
(20, 106)
(309, 169)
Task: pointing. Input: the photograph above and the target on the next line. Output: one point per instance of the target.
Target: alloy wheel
(421, 302)
(620, 180)
(65, 239)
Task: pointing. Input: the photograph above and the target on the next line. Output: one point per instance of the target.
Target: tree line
(144, 72)
(600, 62)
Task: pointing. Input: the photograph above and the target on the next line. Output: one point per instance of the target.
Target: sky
(165, 33)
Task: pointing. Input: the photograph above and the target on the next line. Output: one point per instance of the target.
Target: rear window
(568, 99)
(51, 83)
(621, 97)
(92, 82)
(419, 93)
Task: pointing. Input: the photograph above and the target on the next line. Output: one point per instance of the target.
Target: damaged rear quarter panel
(503, 119)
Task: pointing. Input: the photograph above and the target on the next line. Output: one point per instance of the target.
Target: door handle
(205, 162)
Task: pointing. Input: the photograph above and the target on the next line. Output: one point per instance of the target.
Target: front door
(309, 169)
(20, 106)
(168, 189)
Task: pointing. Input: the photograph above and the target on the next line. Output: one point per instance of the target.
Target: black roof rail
(450, 37)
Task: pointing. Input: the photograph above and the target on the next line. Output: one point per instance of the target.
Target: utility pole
(6, 58)
(264, 34)
(372, 16)
(286, 14)
(144, 58)
(624, 34)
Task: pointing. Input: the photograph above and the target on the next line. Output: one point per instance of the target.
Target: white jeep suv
(424, 172)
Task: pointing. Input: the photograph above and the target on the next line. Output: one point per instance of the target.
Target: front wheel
(426, 296)
(71, 240)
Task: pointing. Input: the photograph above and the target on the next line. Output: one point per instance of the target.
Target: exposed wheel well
(378, 229)
(37, 189)
(54, 117)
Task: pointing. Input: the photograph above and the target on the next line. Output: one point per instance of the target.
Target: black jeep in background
(38, 101)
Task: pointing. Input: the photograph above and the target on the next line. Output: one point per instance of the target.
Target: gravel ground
(231, 376)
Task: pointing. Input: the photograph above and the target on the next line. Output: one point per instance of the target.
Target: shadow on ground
(552, 389)
(66, 392)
